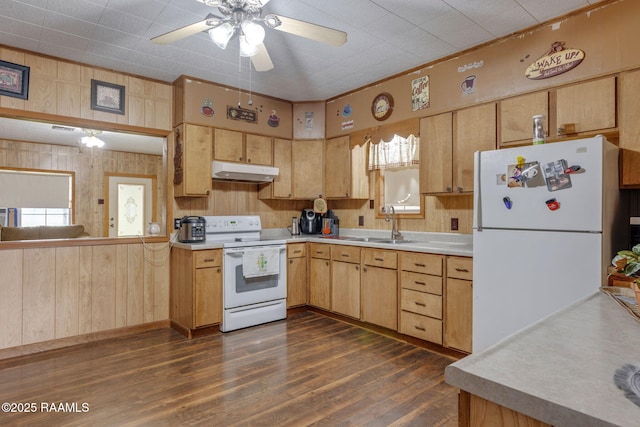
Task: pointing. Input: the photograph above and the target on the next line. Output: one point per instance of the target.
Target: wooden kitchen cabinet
(234, 146)
(320, 275)
(308, 172)
(379, 283)
(345, 280)
(192, 159)
(458, 316)
(282, 186)
(586, 107)
(436, 154)
(195, 288)
(296, 274)
(345, 169)
(516, 117)
(421, 304)
(629, 129)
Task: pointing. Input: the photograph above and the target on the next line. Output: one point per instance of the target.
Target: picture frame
(14, 80)
(107, 97)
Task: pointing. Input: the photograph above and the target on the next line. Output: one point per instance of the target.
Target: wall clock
(382, 106)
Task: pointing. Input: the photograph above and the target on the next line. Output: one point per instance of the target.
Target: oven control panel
(232, 224)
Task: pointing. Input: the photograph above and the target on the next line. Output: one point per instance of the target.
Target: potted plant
(627, 263)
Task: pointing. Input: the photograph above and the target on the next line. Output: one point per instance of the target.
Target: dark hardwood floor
(307, 370)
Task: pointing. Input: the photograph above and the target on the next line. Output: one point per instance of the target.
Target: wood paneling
(61, 292)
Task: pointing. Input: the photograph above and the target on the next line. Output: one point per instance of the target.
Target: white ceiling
(385, 37)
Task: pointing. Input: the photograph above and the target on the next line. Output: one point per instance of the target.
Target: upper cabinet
(345, 169)
(630, 129)
(585, 107)
(448, 142)
(516, 117)
(234, 146)
(192, 159)
(282, 185)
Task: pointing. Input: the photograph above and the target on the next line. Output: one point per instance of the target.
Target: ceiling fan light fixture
(262, 2)
(253, 33)
(247, 49)
(272, 21)
(222, 34)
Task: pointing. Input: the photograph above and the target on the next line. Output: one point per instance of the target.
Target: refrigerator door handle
(477, 196)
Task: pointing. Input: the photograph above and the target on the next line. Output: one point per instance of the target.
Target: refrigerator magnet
(553, 204)
(555, 176)
(507, 202)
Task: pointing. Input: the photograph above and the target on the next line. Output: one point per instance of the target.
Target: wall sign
(556, 61)
(420, 93)
(236, 113)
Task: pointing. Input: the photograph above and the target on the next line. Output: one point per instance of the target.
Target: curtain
(34, 190)
(398, 152)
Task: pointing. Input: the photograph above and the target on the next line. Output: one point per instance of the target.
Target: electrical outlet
(454, 224)
(361, 220)
(176, 223)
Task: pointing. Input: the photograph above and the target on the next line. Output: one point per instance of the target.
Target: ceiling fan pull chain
(239, 80)
(250, 91)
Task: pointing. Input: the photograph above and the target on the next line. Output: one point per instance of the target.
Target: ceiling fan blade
(261, 60)
(173, 36)
(311, 31)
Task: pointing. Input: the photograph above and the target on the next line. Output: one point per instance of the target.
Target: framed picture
(107, 97)
(14, 80)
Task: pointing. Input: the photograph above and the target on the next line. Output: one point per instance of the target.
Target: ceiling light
(222, 34)
(90, 139)
(247, 49)
(253, 33)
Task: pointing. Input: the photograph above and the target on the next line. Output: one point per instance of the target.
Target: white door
(130, 204)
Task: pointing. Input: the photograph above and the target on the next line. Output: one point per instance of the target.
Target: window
(31, 217)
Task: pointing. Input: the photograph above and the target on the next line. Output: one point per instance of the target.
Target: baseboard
(23, 350)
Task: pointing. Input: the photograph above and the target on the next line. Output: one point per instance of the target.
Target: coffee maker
(310, 222)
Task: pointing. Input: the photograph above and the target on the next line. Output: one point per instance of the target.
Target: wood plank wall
(59, 292)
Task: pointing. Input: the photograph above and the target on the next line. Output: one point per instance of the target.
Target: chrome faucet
(395, 233)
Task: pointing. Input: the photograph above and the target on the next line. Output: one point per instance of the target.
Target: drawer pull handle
(420, 304)
(419, 265)
(420, 283)
(379, 259)
(297, 251)
(420, 328)
(209, 259)
(344, 255)
(462, 270)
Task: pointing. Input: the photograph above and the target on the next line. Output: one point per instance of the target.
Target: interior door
(130, 204)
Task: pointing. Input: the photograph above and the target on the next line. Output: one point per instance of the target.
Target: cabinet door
(228, 146)
(588, 106)
(195, 142)
(380, 296)
(319, 283)
(308, 173)
(296, 282)
(436, 155)
(337, 168)
(208, 296)
(259, 149)
(458, 314)
(474, 130)
(345, 288)
(516, 117)
(630, 128)
(283, 161)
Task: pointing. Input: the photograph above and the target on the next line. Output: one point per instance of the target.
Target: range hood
(243, 172)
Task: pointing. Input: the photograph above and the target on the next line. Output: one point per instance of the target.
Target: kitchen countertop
(436, 243)
(560, 370)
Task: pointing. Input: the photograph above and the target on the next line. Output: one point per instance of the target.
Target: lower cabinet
(319, 275)
(459, 304)
(380, 287)
(421, 296)
(345, 280)
(196, 287)
(296, 274)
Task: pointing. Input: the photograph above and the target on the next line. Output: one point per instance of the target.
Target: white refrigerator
(545, 217)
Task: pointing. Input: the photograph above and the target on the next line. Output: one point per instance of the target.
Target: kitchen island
(560, 370)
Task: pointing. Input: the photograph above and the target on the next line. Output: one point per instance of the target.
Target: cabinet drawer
(296, 250)
(319, 250)
(460, 268)
(421, 282)
(345, 253)
(423, 327)
(422, 303)
(208, 258)
(421, 263)
(380, 258)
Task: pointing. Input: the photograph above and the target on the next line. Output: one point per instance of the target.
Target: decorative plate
(320, 205)
(382, 106)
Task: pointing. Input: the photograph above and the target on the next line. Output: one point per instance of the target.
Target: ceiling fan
(243, 19)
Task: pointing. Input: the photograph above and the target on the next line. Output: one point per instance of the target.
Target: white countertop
(560, 370)
(436, 243)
